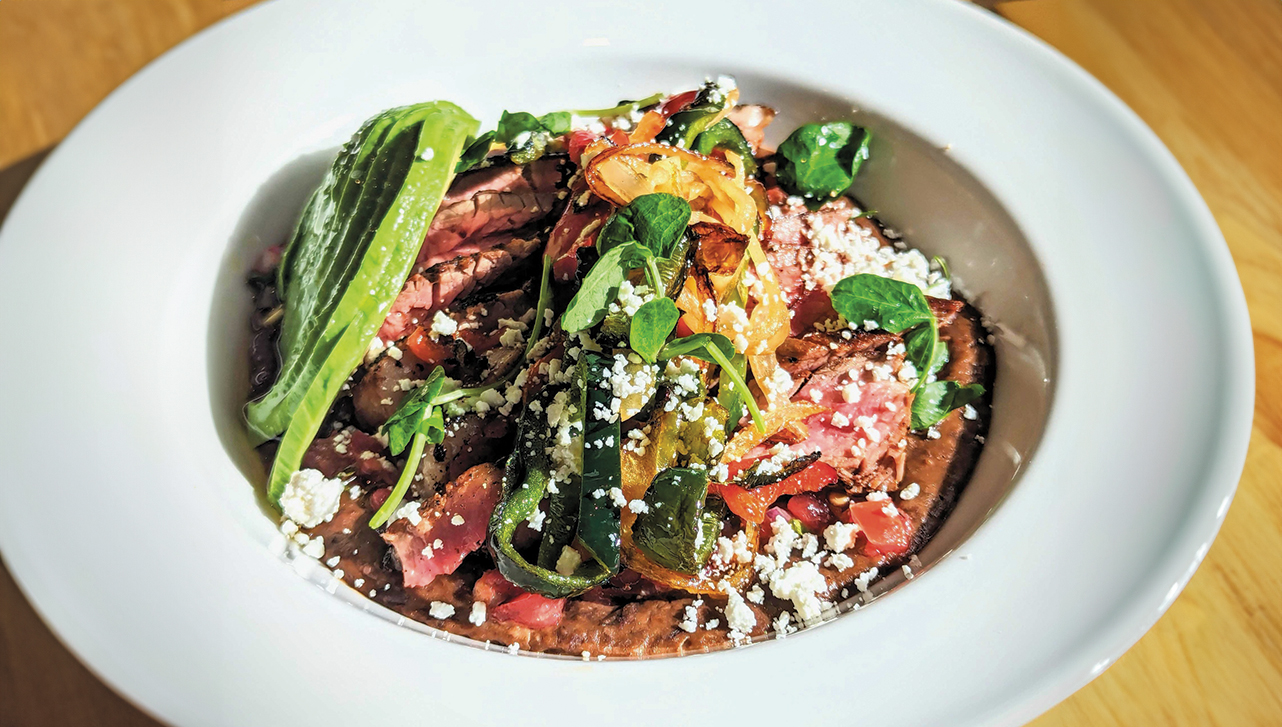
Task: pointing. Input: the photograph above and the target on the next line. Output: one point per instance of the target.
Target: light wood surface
(1205, 74)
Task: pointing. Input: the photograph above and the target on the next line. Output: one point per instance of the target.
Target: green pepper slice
(525, 480)
(599, 514)
(677, 531)
(726, 136)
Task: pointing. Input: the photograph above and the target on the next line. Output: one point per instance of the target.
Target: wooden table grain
(1205, 74)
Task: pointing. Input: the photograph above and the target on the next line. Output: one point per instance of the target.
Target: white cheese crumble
(569, 561)
(440, 609)
(739, 616)
(840, 536)
(443, 325)
(457, 520)
(409, 511)
(910, 492)
(477, 616)
(310, 498)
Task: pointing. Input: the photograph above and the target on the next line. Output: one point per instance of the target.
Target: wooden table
(1205, 74)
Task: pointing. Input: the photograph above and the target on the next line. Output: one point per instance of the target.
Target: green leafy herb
(640, 235)
(936, 399)
(599, 288)
(655, 221)
(715, 348)
(901, 307)
(416, 423)
(651, 325)
(624, 107)
(820, 161)
(475, 153)
(525, 135)
(893, 304)
(348, 259)
(926, 351)
(412, 417)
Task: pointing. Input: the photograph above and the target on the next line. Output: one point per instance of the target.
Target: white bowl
(130, 521)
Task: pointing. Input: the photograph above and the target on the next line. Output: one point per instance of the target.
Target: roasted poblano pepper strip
(559, 524)
(726, 136)
(698, 436)
(677, 531)
(687, 124)
(525, 481)
(602, 469)
(350, 256)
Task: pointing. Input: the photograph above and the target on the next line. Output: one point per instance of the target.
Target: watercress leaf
(433, 427)
(656, 221)
(600, 287)
(697, 345)
(936, 399)
(896, 306)
(919, 345)
(475, 152)
(651, 325)
(617, 230)
(405, 421)
(512, 125)
(820, 161)
(556, 123)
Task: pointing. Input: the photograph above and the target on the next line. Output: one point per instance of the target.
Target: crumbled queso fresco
(847, 248)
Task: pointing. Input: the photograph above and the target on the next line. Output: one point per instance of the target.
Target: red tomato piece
(812, 510)
(530, 609)
(673, 104)
(492, 589)
(683, 328)
(751, 505)
(882, 533)
(430, 352)
(578, 141)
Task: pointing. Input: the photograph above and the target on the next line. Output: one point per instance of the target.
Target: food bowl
(1105, 476)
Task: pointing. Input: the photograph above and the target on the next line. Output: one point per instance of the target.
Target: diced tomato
(882, 533)
(751, 505)
(578, 141)
(431, 352)
(683, 328)
(619, 137)
(507, 602)
(492, 589)
(812, 510)
(530, 609)
(379, 496)
(676, 103)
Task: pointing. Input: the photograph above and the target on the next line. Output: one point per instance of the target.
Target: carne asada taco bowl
(659, 378)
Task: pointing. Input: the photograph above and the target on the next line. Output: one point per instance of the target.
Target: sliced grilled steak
(487, 201)
(469, 440)
(351, 450)
(864, 435)
(484, 262)
(452, 524)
